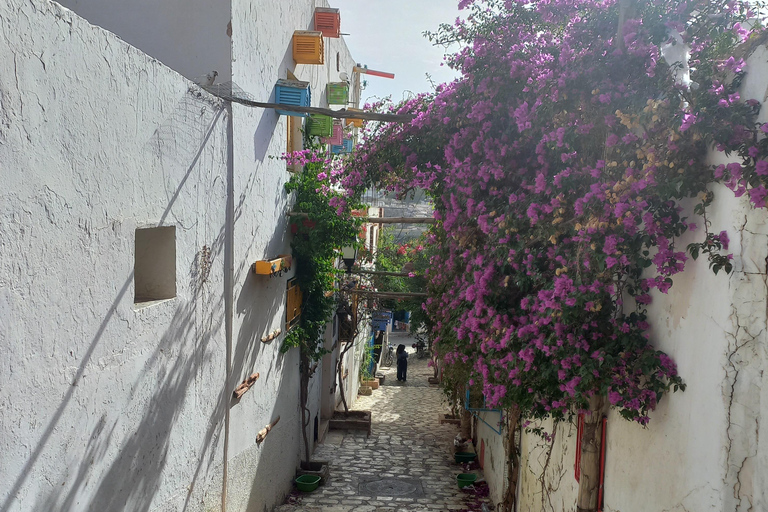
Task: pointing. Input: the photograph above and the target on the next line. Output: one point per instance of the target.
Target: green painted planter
(464, 456)
(319, 125)
(465, 479)
(338, 93)
(307, 483)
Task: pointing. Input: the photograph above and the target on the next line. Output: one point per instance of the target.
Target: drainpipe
(602, 467)
(229, 277)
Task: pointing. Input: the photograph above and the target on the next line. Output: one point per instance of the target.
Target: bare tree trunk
(303, 398)
(466, 424)
(589, 480)
(339, 369)
(513, 460)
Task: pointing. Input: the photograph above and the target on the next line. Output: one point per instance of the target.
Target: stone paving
(408, 449)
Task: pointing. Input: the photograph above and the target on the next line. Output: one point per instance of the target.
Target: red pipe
(373, 72)
(602, 467)
(579, 434)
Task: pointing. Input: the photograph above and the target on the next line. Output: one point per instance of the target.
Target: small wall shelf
(328, 21)
(245, 385)
(271, 267)
(308, 47)
(271, 336)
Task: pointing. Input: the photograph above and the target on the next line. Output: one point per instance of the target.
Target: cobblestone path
(408, 448)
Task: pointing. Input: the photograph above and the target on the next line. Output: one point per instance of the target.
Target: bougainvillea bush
(558, 164)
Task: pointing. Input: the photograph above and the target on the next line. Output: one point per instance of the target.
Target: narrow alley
(406, 464)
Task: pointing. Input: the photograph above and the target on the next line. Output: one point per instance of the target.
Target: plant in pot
(367, 369)
(315, 251)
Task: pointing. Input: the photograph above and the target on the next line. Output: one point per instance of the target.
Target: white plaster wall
(493, 446)
(701, 450)
(189, 36)
(259, 477)
(128, 407)
(559, 483)
(104, 407)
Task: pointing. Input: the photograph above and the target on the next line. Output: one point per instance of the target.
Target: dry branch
(263, 432)
(245, 385)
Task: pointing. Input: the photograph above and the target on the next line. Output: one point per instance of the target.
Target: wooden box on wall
(328, 21)
(308, 47)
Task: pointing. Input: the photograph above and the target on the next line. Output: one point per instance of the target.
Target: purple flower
(724, 240)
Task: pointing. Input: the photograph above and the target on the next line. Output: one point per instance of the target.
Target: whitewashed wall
(702, 449)
(259, 477)
(491, 451)
(104, 406)
(189, 36)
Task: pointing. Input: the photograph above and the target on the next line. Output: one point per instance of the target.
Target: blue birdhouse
(292, 92)
(345, 147)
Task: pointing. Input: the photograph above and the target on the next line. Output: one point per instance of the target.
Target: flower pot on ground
(315, 468)
(465, 479)
(373, 383)
(307, 483)
(365, 390)
(463, 457)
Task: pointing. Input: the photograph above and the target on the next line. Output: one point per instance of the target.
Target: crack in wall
(743, 377)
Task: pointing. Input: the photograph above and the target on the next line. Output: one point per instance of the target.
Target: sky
(387, 36)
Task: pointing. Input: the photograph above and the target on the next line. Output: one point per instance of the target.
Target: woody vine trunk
(589, 480)
(513, 460)
(303, 398)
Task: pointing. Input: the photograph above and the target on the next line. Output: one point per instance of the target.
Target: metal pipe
(378, 220)
(602, 467)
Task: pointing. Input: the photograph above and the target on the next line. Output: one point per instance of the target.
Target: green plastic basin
(465, 479)
(464, 456)
(307, 483)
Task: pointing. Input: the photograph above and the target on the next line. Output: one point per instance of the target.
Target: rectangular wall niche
(154, 268)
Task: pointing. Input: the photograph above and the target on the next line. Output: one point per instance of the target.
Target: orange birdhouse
(308, 47)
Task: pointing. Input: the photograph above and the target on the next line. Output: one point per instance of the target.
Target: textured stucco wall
(702, 449)
(189, 36)
(104, 406)
(492, 444)
(261, 53)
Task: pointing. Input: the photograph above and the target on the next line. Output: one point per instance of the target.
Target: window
(292, 303)
(154, 270)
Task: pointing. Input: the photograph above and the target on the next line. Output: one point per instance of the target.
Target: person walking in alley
(402, 362)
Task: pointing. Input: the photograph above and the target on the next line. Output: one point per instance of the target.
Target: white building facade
(705, 448)
(134, 204)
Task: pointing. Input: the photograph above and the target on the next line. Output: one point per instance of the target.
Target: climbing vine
(319, 231)
(559, 163)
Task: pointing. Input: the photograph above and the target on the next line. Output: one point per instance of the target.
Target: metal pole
(389, 295)
(379, 220)
(380, 273)
(337, 114)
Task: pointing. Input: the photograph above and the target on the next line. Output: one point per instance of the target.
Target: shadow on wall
(133, 478)
(130, 482)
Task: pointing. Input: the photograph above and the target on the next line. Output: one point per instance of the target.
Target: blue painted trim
(473, 411)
